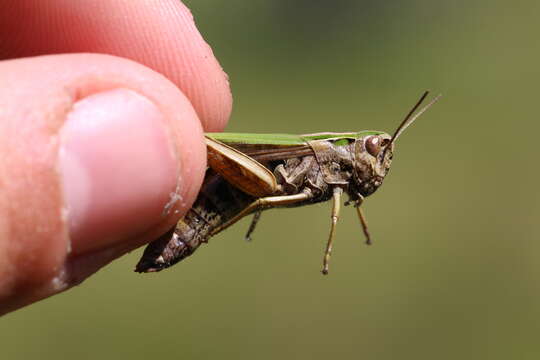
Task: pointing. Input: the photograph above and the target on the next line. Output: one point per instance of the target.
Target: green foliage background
(454, 270)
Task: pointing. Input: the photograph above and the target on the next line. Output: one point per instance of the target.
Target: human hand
(95, 148)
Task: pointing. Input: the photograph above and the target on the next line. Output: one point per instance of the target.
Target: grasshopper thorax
(372, 159)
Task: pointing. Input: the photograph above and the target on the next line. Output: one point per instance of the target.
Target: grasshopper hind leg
(265, 203)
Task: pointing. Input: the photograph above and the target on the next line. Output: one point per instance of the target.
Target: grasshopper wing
(265, 147)
(240, 170)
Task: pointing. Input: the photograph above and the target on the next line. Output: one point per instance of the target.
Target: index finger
(161, 35)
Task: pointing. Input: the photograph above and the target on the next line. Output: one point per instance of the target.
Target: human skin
(101, 134)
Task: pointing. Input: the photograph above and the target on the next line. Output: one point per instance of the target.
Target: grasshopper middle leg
(336, 207)
(254, 222)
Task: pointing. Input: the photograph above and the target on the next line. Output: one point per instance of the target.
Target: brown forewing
(239, 169)
(270, 152)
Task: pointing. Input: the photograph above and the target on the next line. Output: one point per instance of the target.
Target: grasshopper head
(373, 153)
(373, 156)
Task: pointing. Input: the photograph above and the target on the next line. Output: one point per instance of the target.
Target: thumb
(99, 155)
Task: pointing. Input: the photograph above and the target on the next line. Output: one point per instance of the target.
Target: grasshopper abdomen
(217, 202)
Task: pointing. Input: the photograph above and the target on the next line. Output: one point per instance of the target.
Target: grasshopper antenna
(409, 119)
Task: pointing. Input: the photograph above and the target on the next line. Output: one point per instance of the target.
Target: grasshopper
(249, 173)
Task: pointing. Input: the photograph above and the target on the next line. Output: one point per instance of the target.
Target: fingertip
(211, 95)
(128, 100)
(162, 36)
(118, 167)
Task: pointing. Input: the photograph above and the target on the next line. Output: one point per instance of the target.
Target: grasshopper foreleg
(362, 219)
(336, 207)
(265, 202)
(254, 222)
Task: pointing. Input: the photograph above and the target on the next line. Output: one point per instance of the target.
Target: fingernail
(118, 168)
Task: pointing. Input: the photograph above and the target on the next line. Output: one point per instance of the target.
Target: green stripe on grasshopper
(256, 139)
(285, 139)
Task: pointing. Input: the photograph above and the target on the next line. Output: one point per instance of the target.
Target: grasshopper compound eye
(373, 145)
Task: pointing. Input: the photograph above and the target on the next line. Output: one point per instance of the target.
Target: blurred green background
(454, 270)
